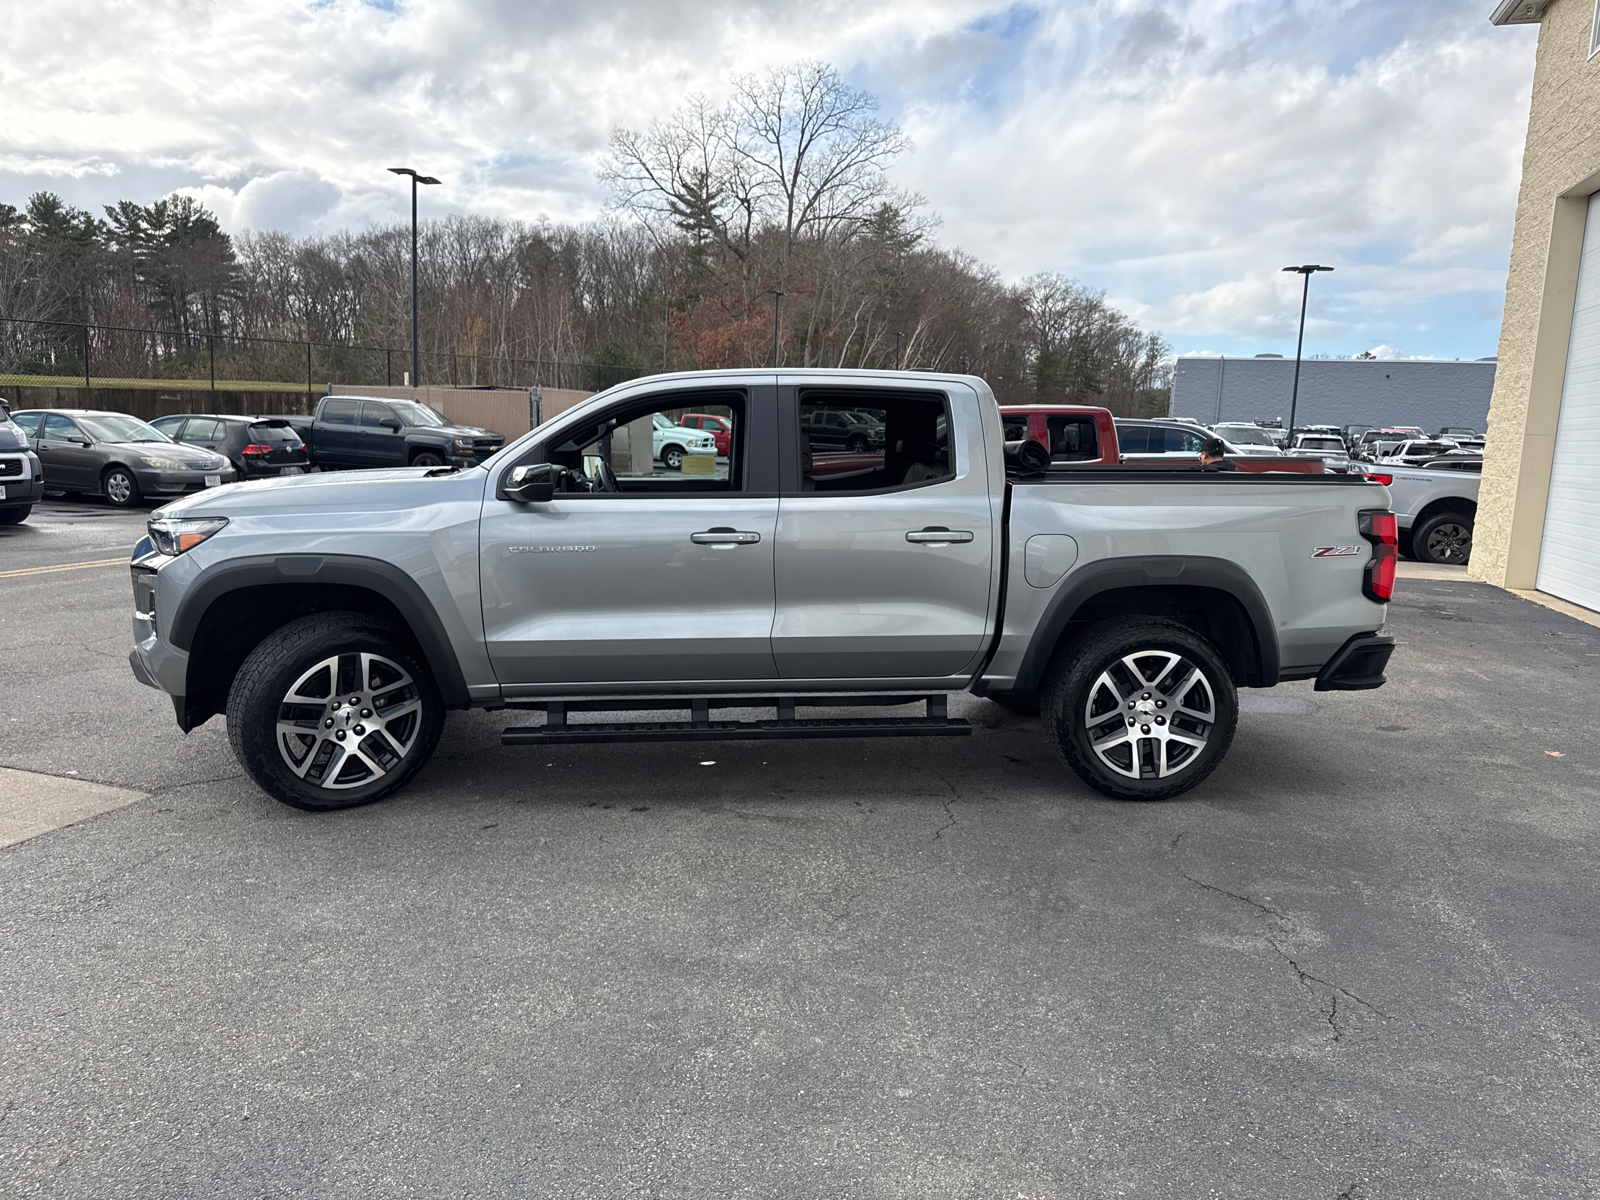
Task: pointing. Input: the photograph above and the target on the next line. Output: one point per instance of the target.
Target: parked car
(256, 446)
(118, 456)
(1352, 435)
(719, 428)
(335, 620)
(1146, 441)
(362, 431)
(1250, 438)
(1375, 443)
(1435, 508)
(21, 476)
(1329, 447)
(1414, 453)
(832, 428)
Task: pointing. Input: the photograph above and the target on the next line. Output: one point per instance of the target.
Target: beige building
(1538, 522)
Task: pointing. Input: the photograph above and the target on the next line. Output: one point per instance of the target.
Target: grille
(10, 467)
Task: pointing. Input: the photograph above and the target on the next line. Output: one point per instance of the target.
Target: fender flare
(1165, 570)
(373, 574)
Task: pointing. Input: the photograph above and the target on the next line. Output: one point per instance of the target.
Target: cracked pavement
(1361, 961)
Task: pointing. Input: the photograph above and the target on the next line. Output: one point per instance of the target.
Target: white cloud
(1174, 152)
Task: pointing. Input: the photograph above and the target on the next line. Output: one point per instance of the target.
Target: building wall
(1431, 394)
(1560, 168)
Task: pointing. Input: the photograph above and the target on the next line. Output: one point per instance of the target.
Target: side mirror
(84, 442)
(530, 485)
(391, 425)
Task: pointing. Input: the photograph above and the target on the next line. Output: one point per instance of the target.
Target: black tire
(1017, 702)
(672, 457)
(120, 488)
(1444, 538)
(428, 459)
(1094, 667)
(15, 515)
(296, 657)
(856, 445)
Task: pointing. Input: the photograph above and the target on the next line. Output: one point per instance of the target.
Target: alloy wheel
(1150, 714)
(349, 720)
(1449, 543)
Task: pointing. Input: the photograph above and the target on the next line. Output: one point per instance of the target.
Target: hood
(178, 450)
(476, 431)
(393, 487)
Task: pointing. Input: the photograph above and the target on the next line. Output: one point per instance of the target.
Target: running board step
(700, 728)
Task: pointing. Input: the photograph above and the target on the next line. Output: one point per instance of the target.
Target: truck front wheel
(1140, 708)
(333, 710)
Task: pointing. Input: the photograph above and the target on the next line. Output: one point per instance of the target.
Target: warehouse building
(1430, 393)
(1538, 520)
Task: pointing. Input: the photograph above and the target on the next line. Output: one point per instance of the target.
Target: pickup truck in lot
(1435, 506)
(334, 618)
(360, 431)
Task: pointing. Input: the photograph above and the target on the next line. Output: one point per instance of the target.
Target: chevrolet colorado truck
(334, 618)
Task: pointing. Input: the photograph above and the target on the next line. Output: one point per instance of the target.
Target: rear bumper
(1359, 664)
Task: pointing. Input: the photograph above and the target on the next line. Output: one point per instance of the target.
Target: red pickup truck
(1082, 435)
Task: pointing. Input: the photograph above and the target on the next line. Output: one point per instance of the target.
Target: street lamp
(777, 303)
(416, 373)
(1308, 271)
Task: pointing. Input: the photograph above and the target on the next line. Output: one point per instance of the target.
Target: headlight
(163, 464)
(174, 535)
(463, 443)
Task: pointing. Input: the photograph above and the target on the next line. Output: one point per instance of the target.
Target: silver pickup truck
(790, 585)
(1435, 506)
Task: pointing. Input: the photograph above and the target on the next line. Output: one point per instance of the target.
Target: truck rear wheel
(1444, 538)
(332, 711)
(1140, 708)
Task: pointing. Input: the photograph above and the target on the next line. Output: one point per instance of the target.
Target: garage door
(1569, 561)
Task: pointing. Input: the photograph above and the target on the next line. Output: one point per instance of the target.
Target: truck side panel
(1299, 544)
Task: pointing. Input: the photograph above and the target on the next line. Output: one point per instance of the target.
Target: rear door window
(1133, 439)
(29, 423)
(200, 429)
(896, 440)
(339, 412)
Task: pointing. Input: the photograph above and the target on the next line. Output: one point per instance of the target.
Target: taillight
(1386, 480)
(1382, 529)
(258, 449)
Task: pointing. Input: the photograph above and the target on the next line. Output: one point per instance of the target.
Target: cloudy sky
(1174, 153)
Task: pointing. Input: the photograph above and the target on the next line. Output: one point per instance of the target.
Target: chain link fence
(56, 354)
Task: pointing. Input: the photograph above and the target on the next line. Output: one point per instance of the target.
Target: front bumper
(153, 482)
(27, 485)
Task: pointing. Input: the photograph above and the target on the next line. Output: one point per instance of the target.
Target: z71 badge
(1336, 552)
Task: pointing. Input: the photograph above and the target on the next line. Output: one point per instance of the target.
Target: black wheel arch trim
(1165, 570)
(376, 575)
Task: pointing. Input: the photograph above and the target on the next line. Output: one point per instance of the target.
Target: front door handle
(722, 536)
(937, 535)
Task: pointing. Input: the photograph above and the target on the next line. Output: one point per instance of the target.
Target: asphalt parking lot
(1361, 961)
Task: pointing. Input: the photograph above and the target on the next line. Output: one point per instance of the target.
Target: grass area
(177, 385)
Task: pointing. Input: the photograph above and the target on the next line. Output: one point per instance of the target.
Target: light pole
(777, 303)
(1308, 271)
(416, 373)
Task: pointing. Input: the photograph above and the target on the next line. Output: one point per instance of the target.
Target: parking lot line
(99, 562)
(31, 804)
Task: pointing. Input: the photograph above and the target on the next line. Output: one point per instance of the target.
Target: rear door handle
(724, 537)
(936, 535)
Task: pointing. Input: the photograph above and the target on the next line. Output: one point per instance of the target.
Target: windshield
(1321, 443)
(412, 413)
(117, 428)
(1244, 435)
